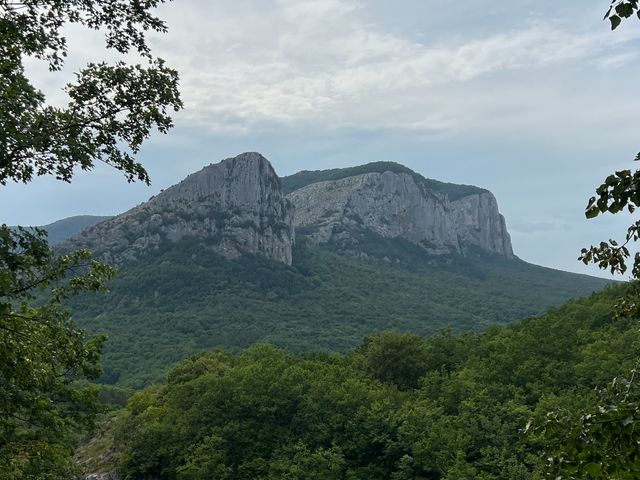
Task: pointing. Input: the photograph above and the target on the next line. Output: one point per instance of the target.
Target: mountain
(388, 200)
(212, 261)
(61, 230)
(233, 207)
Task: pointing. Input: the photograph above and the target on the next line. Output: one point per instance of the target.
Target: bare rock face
(396, 204)
(233, 207)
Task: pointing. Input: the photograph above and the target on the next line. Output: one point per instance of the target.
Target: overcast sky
(534, 100)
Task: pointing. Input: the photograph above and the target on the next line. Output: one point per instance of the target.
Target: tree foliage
(619, 10)
(42, 354)
(111, 108)
(600, 442)
(619, 192)
(265, 414)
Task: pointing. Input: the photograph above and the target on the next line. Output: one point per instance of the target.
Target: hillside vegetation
(398, 407)
(186, 299)
(306, 177)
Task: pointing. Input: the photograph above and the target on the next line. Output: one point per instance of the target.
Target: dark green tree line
(455, 413)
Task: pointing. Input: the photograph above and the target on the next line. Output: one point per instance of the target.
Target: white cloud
(316, 60)
(252, 63)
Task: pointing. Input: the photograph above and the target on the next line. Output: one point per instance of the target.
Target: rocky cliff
(238, 206)
(233, 207)
(394, 202)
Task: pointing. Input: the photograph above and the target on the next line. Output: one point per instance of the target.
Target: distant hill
(61, 230)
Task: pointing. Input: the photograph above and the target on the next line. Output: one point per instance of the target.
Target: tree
(42, 354)
(399, 359)
(619, 10)
(601, 442)
(112, 109)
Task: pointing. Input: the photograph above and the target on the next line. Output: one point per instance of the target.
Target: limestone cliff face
(401, 205)
(233, 207)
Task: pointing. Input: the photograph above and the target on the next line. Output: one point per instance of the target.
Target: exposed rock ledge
(233, 207)
(395, 205)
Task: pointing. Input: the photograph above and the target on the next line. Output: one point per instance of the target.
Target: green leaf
(615, 21)
(593, 469)
(625, 10)
(592, 213)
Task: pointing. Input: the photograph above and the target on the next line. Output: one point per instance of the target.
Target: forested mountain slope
(398, 407)
(185, 299)
(225, 259)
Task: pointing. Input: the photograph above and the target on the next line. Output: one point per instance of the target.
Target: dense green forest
(186, 299)
(399, 406)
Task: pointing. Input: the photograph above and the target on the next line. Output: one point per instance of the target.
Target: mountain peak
(344, 207)
(234, 180)
(232, 207)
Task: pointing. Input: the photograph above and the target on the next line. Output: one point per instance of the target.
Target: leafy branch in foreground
(620, 9)
(43, 354)
(618, 193)
(111, 110)
(601, 442)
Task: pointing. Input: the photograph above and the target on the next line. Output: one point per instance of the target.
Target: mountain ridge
(234, 207)
(238, 206)
(185, 295)
(303, 178)
(398, 205)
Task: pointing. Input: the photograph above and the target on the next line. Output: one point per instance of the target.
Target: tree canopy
(43, 354)
(455, 413)
(600, 440)
(111, 109)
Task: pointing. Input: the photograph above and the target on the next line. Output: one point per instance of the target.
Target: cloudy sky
(534, 100)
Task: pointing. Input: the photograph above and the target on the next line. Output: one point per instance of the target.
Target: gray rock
(399, 205)
(233, 207)
(102, 476)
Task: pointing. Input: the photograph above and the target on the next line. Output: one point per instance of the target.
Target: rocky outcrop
(232, 207)
(237, 206)
(396, 204)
